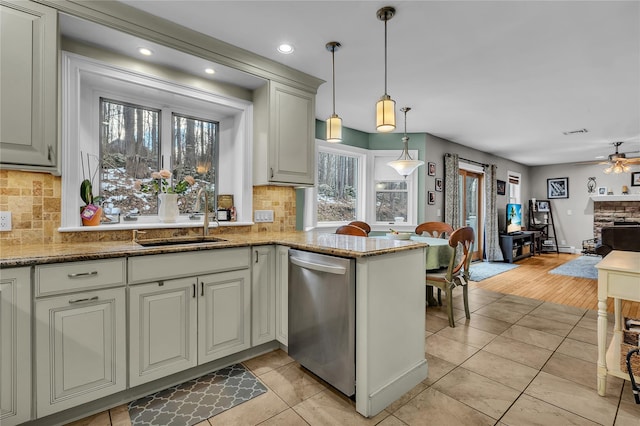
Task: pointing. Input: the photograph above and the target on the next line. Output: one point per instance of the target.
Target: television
(514, 218)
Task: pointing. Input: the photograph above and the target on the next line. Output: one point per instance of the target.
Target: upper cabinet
(28, 83)
(284, 127)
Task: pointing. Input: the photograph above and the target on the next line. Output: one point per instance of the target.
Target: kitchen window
(338, 186)
(129, 124)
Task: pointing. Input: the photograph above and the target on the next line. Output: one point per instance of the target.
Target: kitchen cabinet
(15, 350)
(282, 294)
(28, 82)
(263, 295)
(175, 324)
(284, 135)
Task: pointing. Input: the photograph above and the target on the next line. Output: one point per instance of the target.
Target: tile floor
(517, 361)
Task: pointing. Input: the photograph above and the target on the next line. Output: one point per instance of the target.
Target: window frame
(86, 80)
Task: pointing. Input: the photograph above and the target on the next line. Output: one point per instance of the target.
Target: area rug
(582, 267)
(196, 400)
(483, 270)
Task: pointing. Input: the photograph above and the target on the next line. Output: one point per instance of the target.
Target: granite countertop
(319, 242)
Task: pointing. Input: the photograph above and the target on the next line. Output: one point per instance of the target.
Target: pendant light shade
(385, 107)
(405, 165)
(334, 123)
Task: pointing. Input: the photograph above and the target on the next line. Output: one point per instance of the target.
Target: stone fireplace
(614, 210)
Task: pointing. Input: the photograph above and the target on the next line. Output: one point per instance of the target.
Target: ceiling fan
(618, 162)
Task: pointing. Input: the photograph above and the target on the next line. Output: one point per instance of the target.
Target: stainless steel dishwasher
(322, 309)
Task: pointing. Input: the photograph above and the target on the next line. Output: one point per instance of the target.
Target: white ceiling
(504, 77)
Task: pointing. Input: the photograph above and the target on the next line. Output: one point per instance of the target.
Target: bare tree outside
(337, 187)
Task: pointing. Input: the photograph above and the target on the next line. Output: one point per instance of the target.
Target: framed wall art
(602, 190)
(431, 168)
(558, 187)
(431, 196)
(635, 179)
(439, 184)
(501, 187)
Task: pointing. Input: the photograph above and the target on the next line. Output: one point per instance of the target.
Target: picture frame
(558, 188)
(431, 197)
(501, 187)
(602, 190)
(431, 168)
(542, 206)
(439, 184)
(635, 178)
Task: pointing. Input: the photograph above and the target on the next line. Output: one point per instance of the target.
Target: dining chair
(434, 229)
(351, 230)
(457, 273)
(362, 225)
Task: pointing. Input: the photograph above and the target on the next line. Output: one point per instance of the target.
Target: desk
(618, 277)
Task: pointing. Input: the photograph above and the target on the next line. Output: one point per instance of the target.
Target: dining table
(437, 257)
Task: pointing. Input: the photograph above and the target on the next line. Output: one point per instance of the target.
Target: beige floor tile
(486, 293)
(584, 335)
(467, 335)
(432, 407)
(530, 355)
(292, 383)
(572, 310)
(100, 419)
(464, 385)
(629, 411)
(490, 325)
(437, 367)
(330, 408)
(448, 349)
(203, 423)
(286, 418)
(434, 324)
(406, 397)
(441, 312)
(120, 416)
(534, 337)
(543, 324)
(551, 312)
(575, 398)
(501, 312)
(522, 300)
(252, 412)
(577, 370)
(391, 421)
(534, 412)
(512, 305)
(267, 362)
(590, 321)
(580, 350)
(475, 302)
(502, 370)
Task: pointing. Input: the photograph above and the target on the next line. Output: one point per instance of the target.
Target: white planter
(167, 207)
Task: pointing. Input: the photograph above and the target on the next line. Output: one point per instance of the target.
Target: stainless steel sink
(160, 242)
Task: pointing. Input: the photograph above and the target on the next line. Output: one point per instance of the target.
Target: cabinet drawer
(78, 276)
(176, 265)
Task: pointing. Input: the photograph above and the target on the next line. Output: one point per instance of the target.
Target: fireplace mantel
(629, 197)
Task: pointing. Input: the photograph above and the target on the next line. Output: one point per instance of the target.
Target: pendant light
(334, 123)
(385, 107)
(405, 165)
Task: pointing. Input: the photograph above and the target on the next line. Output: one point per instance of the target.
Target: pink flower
(165, 174)
(190, 180)
(156, 175)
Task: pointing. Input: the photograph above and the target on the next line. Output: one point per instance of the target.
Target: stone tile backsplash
(34, 200)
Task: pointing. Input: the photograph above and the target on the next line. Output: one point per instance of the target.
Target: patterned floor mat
(196, 400)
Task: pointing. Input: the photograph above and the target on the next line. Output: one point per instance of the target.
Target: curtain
(451, 191)
(492, 250)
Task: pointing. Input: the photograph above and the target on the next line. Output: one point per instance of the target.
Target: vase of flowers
(161, 185)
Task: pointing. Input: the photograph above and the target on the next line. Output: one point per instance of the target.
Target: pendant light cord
(385, 56)
(333, 69)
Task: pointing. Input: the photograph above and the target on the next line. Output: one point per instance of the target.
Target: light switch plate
(5, 221)
(263, 216)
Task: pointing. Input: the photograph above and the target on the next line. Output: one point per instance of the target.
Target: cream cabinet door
(263, 295)
(80, 348)
(28, 83)
(224, 314)
(282, 294)
(15, 346)
(162, 329)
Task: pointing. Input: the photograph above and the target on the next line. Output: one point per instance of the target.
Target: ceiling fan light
(386, 114)
(626, 168)
(334, 129)
(608, 169)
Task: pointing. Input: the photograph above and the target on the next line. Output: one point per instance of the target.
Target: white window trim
(366, 207)
(86, 80)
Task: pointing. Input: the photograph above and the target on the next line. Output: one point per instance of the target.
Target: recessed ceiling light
(285, 48)
(209, 70)
(600, 157)
(144, 51)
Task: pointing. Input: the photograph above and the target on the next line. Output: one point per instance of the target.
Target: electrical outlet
(5, 221)
(263, 216)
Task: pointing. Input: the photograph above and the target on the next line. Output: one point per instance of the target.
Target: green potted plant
(91, 212)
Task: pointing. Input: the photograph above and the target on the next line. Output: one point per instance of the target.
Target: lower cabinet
(80, 348)
(15, 346)
(178, 324)
(282, 294)
(263, 295)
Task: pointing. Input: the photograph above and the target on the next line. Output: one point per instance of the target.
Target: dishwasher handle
(338, 270)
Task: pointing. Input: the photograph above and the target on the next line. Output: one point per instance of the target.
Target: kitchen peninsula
(390, 296)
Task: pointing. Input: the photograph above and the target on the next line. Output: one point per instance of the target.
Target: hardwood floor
(531, 279)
